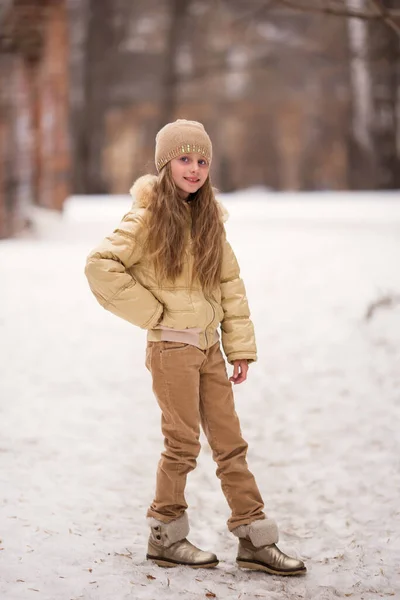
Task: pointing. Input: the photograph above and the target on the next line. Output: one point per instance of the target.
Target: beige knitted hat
(180, 137)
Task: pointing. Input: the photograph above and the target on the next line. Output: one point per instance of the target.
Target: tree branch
(386, 15)
(383, 14)
(257, 11)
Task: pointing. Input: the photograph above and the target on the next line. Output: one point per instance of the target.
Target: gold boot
(258, 550)
(269, 559)
(168, 546)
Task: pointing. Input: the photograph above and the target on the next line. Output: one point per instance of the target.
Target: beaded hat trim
(182, 149)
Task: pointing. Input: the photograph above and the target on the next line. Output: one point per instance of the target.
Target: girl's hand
(240, 368)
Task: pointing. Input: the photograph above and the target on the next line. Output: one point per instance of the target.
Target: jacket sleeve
(238, 339)
(114, 288)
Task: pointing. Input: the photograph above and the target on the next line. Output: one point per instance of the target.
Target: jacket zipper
(213, 309)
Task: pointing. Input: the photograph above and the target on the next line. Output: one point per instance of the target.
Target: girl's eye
(202, 162)
(184, 158)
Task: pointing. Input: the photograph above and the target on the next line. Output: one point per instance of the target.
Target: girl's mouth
(192, 179)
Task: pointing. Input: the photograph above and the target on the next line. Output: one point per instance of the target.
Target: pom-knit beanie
(181, 137)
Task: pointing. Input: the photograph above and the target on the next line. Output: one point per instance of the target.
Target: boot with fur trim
(168, 546)
(258, 550)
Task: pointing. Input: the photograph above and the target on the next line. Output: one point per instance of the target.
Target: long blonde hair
(169, 226)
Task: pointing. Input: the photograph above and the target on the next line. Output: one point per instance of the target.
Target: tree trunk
(169, 85)
(362, 168)
(385, 67)
(98, 79)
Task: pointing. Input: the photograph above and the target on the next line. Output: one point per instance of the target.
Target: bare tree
(379, 12)
(385, 72)
(177, 13)
(34, 149)
(361, 143)
(99, 49)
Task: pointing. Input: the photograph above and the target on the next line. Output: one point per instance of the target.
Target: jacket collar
(141, 194)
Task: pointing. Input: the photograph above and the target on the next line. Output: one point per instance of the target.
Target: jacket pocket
(217, 297)
(176, 300)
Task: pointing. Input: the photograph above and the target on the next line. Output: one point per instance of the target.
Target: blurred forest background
(296, 95)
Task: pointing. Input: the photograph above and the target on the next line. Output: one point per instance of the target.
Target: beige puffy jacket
(123, 281)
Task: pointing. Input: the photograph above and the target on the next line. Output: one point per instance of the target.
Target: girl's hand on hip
(240, 368)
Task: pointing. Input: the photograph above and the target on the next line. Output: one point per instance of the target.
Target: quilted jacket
(123, 281)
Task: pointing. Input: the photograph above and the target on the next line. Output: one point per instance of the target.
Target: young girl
(169, 268)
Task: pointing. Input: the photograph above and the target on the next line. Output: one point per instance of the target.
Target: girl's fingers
(240, 369)
(242, 377)
(235, 370)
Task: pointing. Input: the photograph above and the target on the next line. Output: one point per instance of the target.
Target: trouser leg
(175, 369)
(222, 428)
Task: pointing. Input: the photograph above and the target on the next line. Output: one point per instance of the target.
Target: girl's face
(189, 172)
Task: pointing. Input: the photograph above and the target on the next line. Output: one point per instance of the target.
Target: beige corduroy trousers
(192, 388)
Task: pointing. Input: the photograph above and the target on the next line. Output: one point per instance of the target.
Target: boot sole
(258, 566)
(162, 562)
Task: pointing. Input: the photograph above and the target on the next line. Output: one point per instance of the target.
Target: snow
(80, 430)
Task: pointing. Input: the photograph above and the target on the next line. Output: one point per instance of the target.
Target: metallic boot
(168, 546)
(257, 550)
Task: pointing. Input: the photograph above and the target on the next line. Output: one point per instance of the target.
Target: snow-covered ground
(79, 427)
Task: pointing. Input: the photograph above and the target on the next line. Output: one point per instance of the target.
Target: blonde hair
(169, 225)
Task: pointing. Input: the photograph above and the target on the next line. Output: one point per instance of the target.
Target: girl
(169, 268)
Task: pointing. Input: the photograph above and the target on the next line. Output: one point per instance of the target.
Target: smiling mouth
(191, 179)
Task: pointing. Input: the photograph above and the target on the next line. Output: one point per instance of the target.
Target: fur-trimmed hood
(141, 193)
